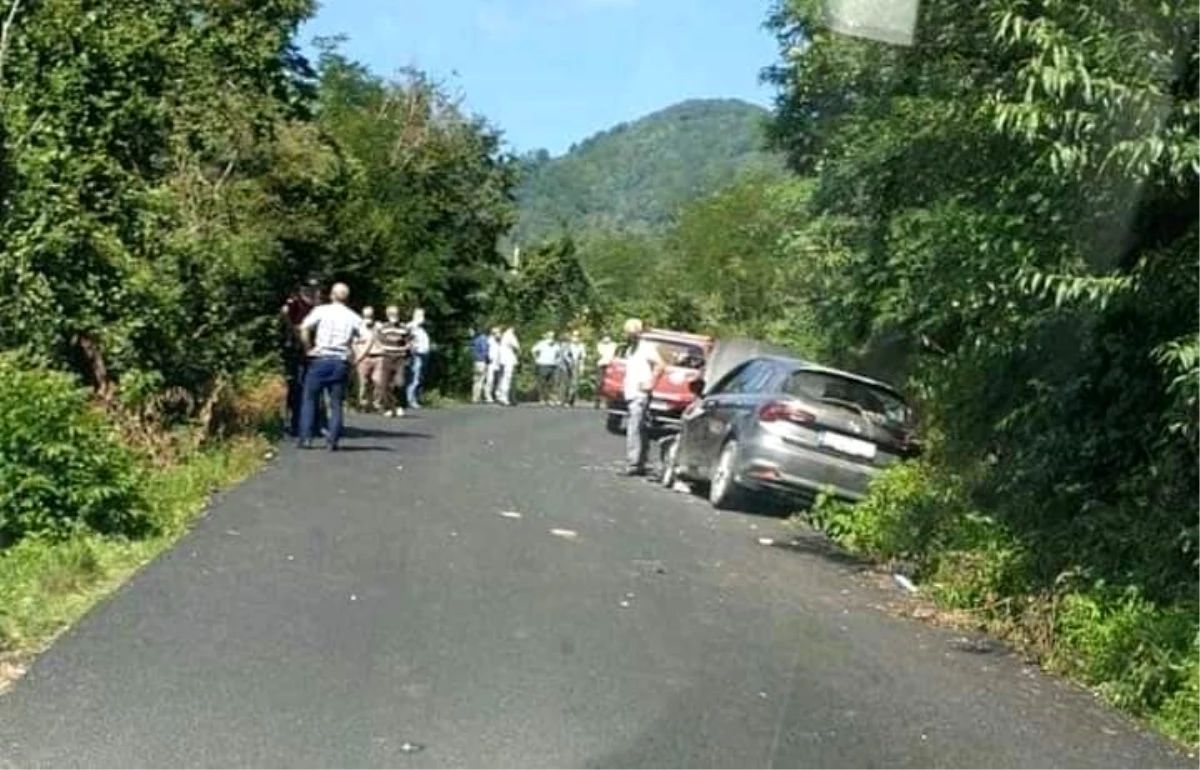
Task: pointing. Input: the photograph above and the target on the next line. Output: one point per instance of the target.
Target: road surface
(375, 608)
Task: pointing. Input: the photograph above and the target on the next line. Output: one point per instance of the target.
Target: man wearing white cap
(642, 370)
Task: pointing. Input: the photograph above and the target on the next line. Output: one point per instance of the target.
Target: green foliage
(63, 468)
(46, 585)
(634, 176)
(1005, 216)
(548, 289)
(723, 265)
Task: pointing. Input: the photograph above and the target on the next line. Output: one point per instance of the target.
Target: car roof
(664, 334)
(800, 363)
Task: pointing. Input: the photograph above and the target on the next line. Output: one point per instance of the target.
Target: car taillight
(782, 410)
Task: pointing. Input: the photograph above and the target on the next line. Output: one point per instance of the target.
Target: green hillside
(635, 175)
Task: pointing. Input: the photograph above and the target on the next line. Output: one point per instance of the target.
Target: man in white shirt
(510, 356)
(546, 355)
(606, 351)
(491, 379)
(328, 332)
(418, 357)
(643, 367)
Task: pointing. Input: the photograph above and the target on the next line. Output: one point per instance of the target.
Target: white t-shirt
(509, 348)
(420, 338)
(337, 325)
(639, 369)
(546, 353)
(493, 351)
(605, 353)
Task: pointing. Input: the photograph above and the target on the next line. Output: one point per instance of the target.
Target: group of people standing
(326, 342)
(495, 356)
(559, 362)
(392, 356)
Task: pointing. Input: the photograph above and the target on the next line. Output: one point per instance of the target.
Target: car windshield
(681, 354)
(856, 395)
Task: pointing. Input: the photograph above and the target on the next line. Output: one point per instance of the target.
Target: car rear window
(682, 354)
(845, 391)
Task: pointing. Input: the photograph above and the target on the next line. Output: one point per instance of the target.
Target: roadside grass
(1137, 654)
(47, 584)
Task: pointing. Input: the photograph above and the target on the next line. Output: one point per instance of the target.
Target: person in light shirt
(418, 357)
(606, 351)
(546, 357)
(370, 361)
(329, 332)
(510, 357)
(643, 367)
(491, 380)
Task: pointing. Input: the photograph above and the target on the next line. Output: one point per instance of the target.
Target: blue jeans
(328, 375)
(415, 377)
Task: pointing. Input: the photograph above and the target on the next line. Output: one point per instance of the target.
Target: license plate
(848, 445)
(659, 405)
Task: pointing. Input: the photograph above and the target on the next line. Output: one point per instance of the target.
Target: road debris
(399, 467)
(624, 603)
(904, 583)
(924, 613)
(566, 534)
(681, 486)
(411, 748)
(511, 514)
(232, 532)
(977, 646)
(766, 541)
(269, 454)
(290, 557)
(353, 597)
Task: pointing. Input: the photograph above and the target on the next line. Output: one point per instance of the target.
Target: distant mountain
(635, 175)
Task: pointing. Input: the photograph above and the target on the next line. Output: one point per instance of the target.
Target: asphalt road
(374, 608)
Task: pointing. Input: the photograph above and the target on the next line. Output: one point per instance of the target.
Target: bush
(62, 467)
(1138, 655)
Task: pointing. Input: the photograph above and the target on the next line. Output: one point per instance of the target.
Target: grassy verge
(47, 585)
(1139, 654)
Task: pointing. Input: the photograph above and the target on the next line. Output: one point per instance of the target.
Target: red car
(685, 356)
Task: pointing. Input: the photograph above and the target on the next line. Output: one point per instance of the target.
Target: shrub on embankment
(1137, 651)
(63, 467)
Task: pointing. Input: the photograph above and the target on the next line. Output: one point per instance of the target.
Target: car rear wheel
(724, 492)
(615, 424)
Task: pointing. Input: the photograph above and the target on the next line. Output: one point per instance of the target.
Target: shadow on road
(816, 544)
(350, 431)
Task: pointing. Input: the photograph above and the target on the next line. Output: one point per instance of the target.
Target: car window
(682, 354)
(729, 381)
(831, 388)
(751, 377)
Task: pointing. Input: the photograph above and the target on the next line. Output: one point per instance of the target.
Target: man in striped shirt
(328, 332)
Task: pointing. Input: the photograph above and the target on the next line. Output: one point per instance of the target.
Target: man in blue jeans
(328, 331)
(419, 356)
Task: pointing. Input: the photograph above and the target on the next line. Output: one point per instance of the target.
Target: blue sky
(552, 72)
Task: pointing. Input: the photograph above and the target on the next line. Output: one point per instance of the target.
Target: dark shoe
(332, 447)
(635, 471)
(304, 443)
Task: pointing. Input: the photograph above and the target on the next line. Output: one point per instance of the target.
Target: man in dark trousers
(329, 333)
(295, 359)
